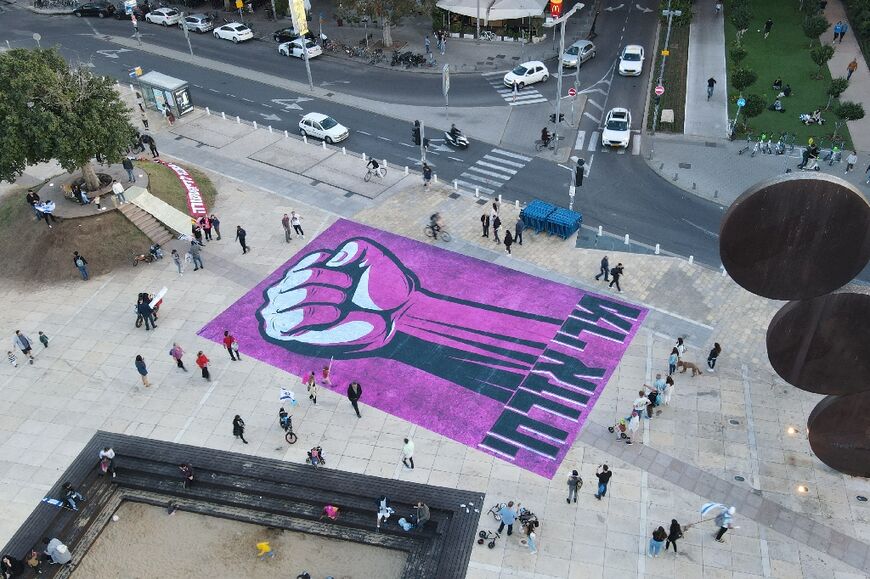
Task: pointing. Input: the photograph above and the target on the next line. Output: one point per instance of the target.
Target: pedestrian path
(594, 143)
(706, 118)
(524, 96)
(492, 171)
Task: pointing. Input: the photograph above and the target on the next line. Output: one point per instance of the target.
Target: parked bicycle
(750, 139)
(488, 35)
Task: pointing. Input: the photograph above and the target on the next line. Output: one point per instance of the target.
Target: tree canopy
(52, 111)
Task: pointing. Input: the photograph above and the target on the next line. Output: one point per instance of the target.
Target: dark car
(140, 11)
(290, 34)
(101, 9)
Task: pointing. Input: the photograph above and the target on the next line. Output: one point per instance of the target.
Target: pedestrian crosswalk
(492, 171)
(524, 96)
(594, 144)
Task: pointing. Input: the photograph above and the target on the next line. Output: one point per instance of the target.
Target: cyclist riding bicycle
(373, 165)
(283, 418)
(436, 223)
(546, 136)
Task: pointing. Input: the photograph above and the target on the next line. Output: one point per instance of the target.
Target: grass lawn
(39, 254)
(786, 54)
(163, 183)
(674, 79)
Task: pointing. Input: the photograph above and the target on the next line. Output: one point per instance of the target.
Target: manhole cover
(482, 202)
(709, 144)
(454, 195)
(862, 498)
(732, 421)
(685, 165)
(490, 58)
(500, 56)
(329, 94)
(739, 478)
(515, 58)
(349, 194)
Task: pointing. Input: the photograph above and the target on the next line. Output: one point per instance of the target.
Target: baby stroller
(527, 517)
(622, 430)
(315, 457)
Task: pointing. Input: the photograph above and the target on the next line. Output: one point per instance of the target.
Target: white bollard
(255, 125)
(270, 129)
(517, 203)
(691, 259)
(406, 169)
(207, 111)
(499, 198)
(323, 143)
(384, 163)
(131, 88)
(626, 239)
(456, 185)
(305, 139)
(600, 231)
(344, 151)
(238, 120)
(223, 115)
(724, 271)
(286, 136)
(364, 157)
(477, 192)
(658, 248)
(435, 177)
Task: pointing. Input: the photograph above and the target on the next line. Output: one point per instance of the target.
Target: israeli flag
(287, 396)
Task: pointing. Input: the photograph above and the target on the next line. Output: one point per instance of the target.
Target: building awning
(466, 7)
(510, 9)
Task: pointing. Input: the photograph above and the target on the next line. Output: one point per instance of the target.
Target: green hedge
(858, 13)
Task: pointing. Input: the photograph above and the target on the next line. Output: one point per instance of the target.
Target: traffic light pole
(552, 24)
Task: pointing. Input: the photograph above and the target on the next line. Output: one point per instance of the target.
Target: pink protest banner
(195, 205)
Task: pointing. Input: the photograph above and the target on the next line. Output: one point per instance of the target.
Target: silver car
(578, 53)
(197, 23)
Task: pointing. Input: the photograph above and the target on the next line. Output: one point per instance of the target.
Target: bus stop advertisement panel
(160, 90)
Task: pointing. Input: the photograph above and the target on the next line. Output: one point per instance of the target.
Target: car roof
(618, 112)
(200, 16)
(582, 43)
(532, 63)
(166, 9)
(315, 117)
(633, 48)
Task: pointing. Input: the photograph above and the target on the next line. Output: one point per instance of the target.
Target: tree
(52, 111)
(388, 12)
(838, 85)
(741, 18)
(742, 78)
(282, 7)
(849, 111)
(821, 55)
(737, 53)
(815, 26)
(754, 106)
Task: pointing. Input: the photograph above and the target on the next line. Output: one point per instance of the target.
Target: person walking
(176, 259)
(24, 344)
(851, 68)
(296, 222)
(216, 224)
(240, 237)
(145, 310)
(202, 362)
(529, 530)
(711, 84)
(838, 29)
(843, 31)
(195, 250)
(10, 355)
(427, 44)
(285, 223)
(239, 428)
(681, 347)
(668, 391)
(657, 542)
(82, 264)
(673, 358)
(176, 352)
(508, 514)
(508, 241)
(574, 482)
(725, 521)
(231, 346)
(518, 231)
(496, 223)
(149, 140)
(143, 371)
(717, 7)
(427, 174)
(43, 339)
(641, 404)
(311, 387)
(675, 533)
(604, 269)
(127, 163)
(767, 26)
(603, 473)
(408, 454)
(354, 393)
(484, 222)
(851, 161)
(616, 272)
(186, 475)
(713, 356)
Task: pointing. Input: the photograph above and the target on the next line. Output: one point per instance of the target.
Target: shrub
(754, 106)
(815, 26)
(836, 88)
(741, 18)
(849, 111)
(742, 78)
(737, 54)
(821, 55)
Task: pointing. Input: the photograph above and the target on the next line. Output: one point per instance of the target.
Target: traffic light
(415, 132)
(553, 118)
(578, 173)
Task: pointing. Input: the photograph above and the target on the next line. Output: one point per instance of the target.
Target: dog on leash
(683, 366)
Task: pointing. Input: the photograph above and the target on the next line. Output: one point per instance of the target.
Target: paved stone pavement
(706, 118)
(719, 426)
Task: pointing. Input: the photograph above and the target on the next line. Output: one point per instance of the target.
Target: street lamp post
(552, 24)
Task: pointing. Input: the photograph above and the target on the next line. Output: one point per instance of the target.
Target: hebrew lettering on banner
(496, 359)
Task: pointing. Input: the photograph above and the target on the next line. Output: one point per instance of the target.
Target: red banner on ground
(195, 205)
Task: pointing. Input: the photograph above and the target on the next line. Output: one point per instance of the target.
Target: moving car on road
(617, 128)
(235, 31)
(100, 9)
(527, 73)
(140, 10)
(197, 23)
(631, 60)
(164, 16)
(322, 127)
(294, 48)
(578, 53)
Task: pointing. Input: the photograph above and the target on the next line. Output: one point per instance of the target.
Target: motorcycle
(459, 141)
(143, 257)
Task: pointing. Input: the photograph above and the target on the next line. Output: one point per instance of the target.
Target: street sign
(660, 90)
(666, 52)
(239, 4)
(741, 102)
(445, 79)
(572, 91)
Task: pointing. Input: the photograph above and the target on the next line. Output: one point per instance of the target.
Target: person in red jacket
(202, 362)
(232, 346)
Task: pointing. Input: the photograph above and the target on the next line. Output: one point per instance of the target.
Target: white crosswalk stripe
(492, 171)
(524, 96)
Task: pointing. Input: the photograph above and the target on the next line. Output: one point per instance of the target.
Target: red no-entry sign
(572, 91)
(660, 90)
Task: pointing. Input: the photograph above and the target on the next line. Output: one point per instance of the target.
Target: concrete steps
(146, 223)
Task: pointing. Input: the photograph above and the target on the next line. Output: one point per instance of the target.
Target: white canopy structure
(511, 9)
(466, 7)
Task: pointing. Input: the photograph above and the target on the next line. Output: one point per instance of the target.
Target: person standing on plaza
(675, 533)
(427, 44)
(82, 264)
(657, 542)
(851, 161)
(285, 223)
(324, 375)
(603, 473)
(641, 403)
(354, 393)
(127, 163)
(496, 223)
(239, 428)
(202, 362)
(713, 356)
(672, 361)
(176, 352)
(205, 222)
(518, 231)
(118, 190)
(427, 174)
(508, 514)
(147, 312)
(529, 530)
(408, 454)
(574, 482)
(508, 241)
(311, 387)
(296, 222)
(216, 224)
(725, 521)
(176, 259)
(604, 269)
(240, 237)
(484, 222)
(443, 42)
(195, 250)
(667, 391)
(143, 371)
(767, 26)
(680, 347)
(229, 343)
(24, 344)
(616, 272)
(851, 68)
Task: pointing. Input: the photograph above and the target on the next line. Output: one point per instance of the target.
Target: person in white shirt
(296, 222)
(640, 403)
(57, 551)
(851, 161)
(118, 190)
(107, 458)
(408, 454)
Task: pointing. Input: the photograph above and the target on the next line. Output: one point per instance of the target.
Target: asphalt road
(621, 193)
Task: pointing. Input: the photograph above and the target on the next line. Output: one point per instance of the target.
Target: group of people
(53, 550)
(607, 272)
(23, 343)
(492, 221)
(440, 42)
(294, 220)
(41, 209)
(416, 519)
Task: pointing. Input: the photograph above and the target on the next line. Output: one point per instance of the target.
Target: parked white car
(235, 31)
(322, 127)
(527, 73)
(631, 60)
(294, 48)
(164, 16)
(617, 128)
(197, 23)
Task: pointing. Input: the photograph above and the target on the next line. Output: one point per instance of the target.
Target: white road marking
(477, 169)
(581, 136)
(635, 147)
(593, 141)
(474, 177)
(504, 161)
(596, 120)
(595, 104)
(474, 186)
(384, 138)
(513, 155)
(457, 160)
(494, 166)
(364, 133)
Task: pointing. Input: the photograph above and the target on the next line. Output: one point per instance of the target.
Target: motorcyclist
(546, 136)
(436, 223)
(454, 132)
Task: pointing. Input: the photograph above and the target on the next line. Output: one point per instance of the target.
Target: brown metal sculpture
(800, 237)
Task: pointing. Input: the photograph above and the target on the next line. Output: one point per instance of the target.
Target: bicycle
(289, 435)
(443, 235)
(540, 145)
(381, 172)
(488, 35)
(750, 138)
(759, 144)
